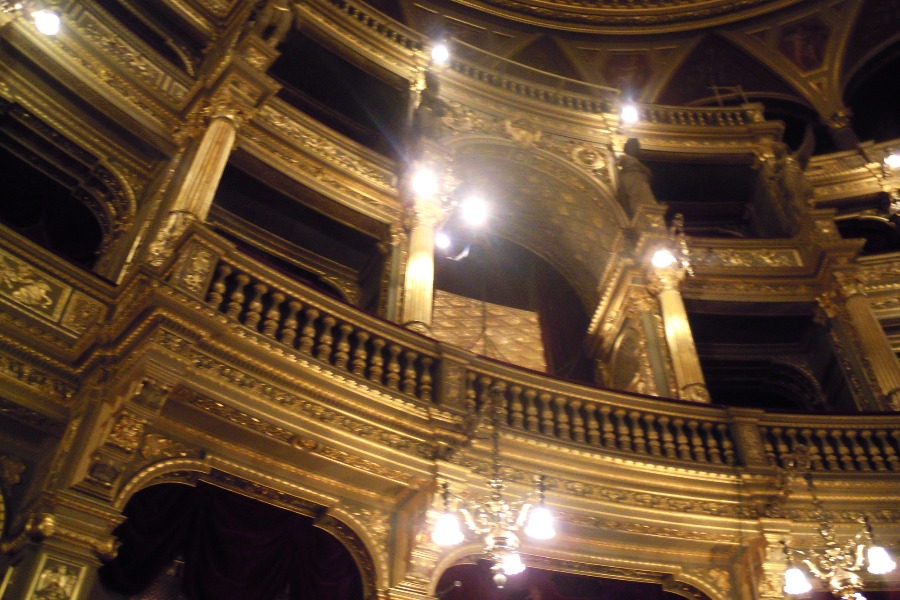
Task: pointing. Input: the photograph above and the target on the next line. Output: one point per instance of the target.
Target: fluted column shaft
(205, 171)
(679, 339)
(876, 347)
(418, 289)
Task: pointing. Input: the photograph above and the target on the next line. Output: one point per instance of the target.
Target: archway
(231, 546)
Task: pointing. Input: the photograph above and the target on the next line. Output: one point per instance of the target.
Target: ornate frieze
(757, 257)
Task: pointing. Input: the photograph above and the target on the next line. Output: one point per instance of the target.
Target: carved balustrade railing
(701, 117)
(345, 339)
(857, 443)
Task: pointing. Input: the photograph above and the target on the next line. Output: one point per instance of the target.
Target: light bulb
(475, 211)
(629, 114)
(892, 160)
(663, 259)
(46, 21)
(446, 530)
(879, 561)
(540, 524)
(512, 563)
(440, 54)
(795, 582)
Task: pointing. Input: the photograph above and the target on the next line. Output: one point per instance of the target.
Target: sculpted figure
(634, 178)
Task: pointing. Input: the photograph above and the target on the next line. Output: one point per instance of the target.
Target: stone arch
(564, 210)
(343, 527)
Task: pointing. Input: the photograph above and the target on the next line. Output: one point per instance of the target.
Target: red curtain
(232, 547)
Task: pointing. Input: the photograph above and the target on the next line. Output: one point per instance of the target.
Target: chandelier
(835, 564)
(495, 519)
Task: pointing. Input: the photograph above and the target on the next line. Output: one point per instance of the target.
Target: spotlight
(474, 211)
(442, 241)
(663, 259)
(892, 160)
(424, 182)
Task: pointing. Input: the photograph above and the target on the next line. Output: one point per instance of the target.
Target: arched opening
(231, 547)
(44, 210)
(498, 299)
(473, 582)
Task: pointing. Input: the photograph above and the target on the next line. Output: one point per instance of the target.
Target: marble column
(679, 339)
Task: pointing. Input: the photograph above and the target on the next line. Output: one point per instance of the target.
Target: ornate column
(680, 341)
(418, 289)
(879, 361)
(395, 250)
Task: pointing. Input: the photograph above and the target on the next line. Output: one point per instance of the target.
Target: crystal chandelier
(496, 520)
(836, 564)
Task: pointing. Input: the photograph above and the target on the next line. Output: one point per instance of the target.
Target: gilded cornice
(625, 17)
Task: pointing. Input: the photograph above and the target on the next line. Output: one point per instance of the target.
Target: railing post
(747, 436)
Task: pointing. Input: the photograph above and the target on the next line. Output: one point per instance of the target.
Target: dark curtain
(232, 547)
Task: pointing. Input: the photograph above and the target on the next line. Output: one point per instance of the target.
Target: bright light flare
(663, 259)
(795, 582)
(440, 54)
(46, 21)
(629, 114)
(424, 182)
(540, 524)
(879, 561)
(446, 530)
(442, 241)
(475, 211)
(892, 160)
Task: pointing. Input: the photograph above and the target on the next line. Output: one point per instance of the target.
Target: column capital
(665, 279)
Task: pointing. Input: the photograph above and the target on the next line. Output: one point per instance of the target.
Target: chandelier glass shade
(496, 520)
(837, 565)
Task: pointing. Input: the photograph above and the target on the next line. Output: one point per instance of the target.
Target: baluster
(531, 411)
(827, 451)
(499, 387)
(408, 383)
(767, 445)
(791, 434)
(308, 332)
(712, 445)
(668, 440)
(637, 432)
(872, 450)
(426, 381)
(517, 415)
(699, 451)
(727, 446)
(623, 433)
(815, 457)
(392, 378)
(546, 414)
(236, 300)
(593, 426)
(376, 360)
(342, 346)
(681, 439)
(577, 421)
(652, 434)
(255, 306)
(606, 426)
(360, 353)
(217, 289)
(289, 329)
(888, 450)
(273, 315)
(484, 392)
(781, 448)
(843, 451)
(563, 429)
(859, 455)
(324, 348)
